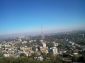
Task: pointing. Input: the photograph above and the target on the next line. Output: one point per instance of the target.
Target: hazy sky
(29, 15)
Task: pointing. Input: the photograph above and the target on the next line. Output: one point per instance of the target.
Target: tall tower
(42, 33)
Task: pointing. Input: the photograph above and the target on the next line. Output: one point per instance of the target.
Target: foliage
(28, 60)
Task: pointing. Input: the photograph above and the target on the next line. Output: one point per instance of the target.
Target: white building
(0, 45)
(40, 58)
(55, 44)
(54, 50)
(6, 55)
(44, 44)
(24, 42)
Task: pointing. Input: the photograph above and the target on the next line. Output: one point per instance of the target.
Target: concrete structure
(54, 50)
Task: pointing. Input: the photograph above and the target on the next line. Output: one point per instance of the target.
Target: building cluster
(18, 47)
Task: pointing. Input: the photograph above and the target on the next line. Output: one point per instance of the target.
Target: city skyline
(18, 16)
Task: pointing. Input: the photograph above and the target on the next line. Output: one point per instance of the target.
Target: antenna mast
(42, 33)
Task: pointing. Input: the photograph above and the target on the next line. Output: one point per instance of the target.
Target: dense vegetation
(53, 59)
(27, 60)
